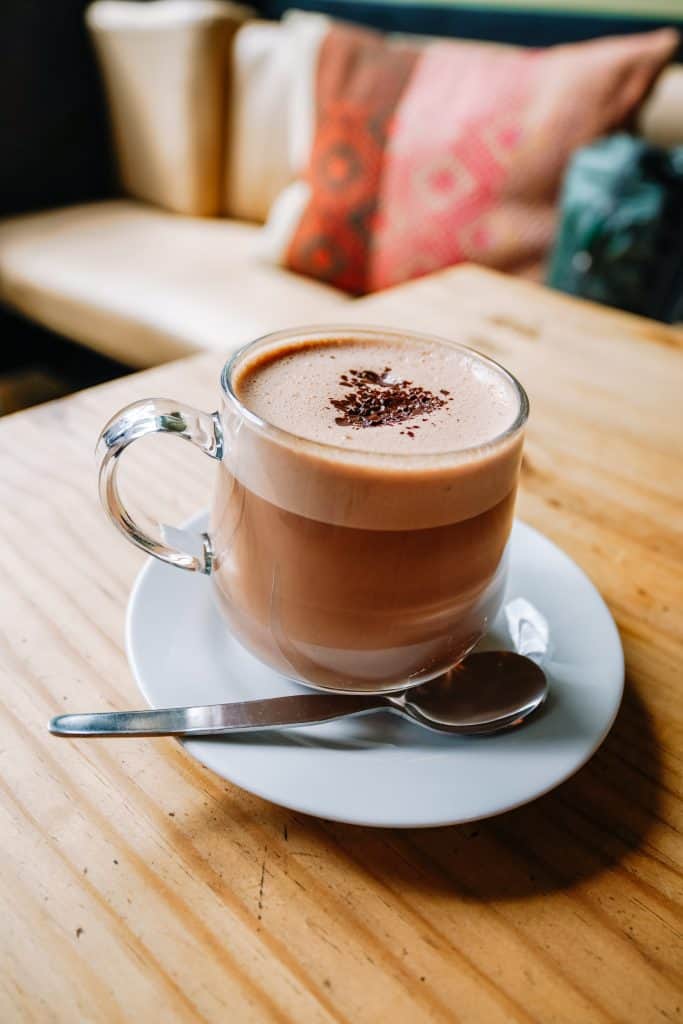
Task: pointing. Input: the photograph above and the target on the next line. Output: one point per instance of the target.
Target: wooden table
(138, 886)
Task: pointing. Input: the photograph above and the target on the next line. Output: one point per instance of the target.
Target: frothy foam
(308, 388)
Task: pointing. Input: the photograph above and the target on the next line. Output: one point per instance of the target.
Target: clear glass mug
(341, 569)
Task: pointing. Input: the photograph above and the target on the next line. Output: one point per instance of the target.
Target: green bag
(620, 238)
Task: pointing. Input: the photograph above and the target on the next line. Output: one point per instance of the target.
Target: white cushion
(660, 119)
(145, 286)
(257, 165)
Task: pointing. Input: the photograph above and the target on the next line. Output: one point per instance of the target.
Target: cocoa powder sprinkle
(381, 400)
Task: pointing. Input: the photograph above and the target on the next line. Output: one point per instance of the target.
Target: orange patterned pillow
(416, 157)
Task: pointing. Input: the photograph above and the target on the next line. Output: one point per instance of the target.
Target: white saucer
(380, 769)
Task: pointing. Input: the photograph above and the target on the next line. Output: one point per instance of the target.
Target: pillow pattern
(413, 157)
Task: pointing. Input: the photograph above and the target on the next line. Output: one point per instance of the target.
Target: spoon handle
(216, 719)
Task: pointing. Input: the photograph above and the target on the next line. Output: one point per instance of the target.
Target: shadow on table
(578, 830)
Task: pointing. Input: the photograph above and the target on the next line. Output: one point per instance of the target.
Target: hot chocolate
(363, 505)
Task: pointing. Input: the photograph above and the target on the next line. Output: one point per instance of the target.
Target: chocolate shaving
(381, 400)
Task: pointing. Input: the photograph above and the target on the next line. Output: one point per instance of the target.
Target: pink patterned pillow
(414, 158)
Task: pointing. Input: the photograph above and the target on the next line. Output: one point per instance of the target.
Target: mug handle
(155, 416)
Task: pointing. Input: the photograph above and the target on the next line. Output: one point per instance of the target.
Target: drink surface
(379, 396)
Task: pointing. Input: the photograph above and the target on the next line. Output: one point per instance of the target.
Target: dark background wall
(515, 23)
(52, 121)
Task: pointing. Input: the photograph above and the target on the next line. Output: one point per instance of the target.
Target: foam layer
(305, 389)
(320, 388)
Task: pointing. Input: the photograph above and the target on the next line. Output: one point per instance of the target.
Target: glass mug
(342, 569)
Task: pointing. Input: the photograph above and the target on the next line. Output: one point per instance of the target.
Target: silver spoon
(485, 693)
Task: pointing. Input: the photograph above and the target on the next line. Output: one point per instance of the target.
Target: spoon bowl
(484, 694)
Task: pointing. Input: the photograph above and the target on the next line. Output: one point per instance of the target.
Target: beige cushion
(661, 117)
(164, 66)
(257, 165)
(145, 286)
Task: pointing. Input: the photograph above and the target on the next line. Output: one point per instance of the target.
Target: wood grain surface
(137, 886)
